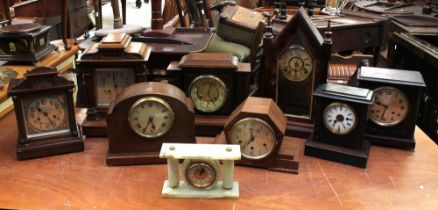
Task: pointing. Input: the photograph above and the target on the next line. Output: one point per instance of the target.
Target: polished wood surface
(394, 179)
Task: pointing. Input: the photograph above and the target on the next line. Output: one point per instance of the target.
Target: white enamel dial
(390, 106)
(296, 64)
(339, 118)
(255, 137)
(109, 82)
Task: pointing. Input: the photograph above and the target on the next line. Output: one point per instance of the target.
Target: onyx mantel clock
(340, 124)
(144, 116)
(45, 113)
(105, 69)
(216, 83)
(393, 115)
(27, 42)
(258, 125)
(294, 64)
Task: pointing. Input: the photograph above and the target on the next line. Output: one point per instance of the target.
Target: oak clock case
(393, 115)
(103, 70)
(144, 116)
(43, 103)
(27, 42)
(296, 60)
(340, 124)
(258, 125)
(216, 83)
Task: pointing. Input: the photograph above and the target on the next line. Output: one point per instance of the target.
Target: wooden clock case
(44, 81)
(268, 111)
(128, 148)
(409, 82)
(351, 148)
(235, 75)
(25, 42)
(115, 51)
(298, 31)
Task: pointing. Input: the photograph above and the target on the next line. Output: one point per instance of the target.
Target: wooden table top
(394, 179)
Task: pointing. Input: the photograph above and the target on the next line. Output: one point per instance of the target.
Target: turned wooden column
(157, 18)
(65, 24)
(116, 12)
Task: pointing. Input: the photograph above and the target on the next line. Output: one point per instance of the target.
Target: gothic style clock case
(340, 124)
(25, 42)
(258, 125)
(43, 103)
(105, 69)
(295, 63)
(144, 116)
(216, 82)
(393, 115)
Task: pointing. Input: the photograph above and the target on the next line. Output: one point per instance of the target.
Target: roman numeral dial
(339, 118)
(296, 64)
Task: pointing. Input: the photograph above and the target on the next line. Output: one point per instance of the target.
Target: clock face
(390, 106)
(109, 82)
(200, 174)
(339, 118)
(151, 117)
(255, 137)
(46, 115)
(208, 93)
(296, 64)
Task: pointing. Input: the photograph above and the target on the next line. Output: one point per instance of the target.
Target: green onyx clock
(340, 124)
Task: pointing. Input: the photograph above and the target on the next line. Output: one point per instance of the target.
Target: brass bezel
(397, 121)
(339, 104)
(154, 99)
(200, 78)
(263, 122)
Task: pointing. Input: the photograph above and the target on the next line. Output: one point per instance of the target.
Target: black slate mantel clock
(43, 103)
(393, 115)
(340, 124)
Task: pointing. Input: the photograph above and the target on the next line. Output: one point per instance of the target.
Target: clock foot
(345, 155)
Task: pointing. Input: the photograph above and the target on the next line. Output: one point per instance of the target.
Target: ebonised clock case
(410, 83)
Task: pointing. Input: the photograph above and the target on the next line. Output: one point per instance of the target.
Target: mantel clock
(216, 82)
(258, 125)
(294, 64)
(43, 103)
(393, 115)
(105, 69)
(340, 124)
(142, 117)
(27, 42)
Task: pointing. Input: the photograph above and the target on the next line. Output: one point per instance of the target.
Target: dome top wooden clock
(258, 125)
(144, 116)
(294, 64)
(105, 69)
(45, 114)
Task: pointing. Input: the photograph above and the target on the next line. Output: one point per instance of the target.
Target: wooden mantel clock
(216, 82)
(258, 125)
(45, 114)
(393, 115)
(340, 124)
(102, 71)
(27, 42)
(144, 116)
(294, 64)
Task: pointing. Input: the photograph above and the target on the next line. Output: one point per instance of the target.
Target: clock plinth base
(408, 144)
(42, 149)
(185, 191)
(209, 126)
(299, 130)
(29, 57)
(349, 156)
(94, 128)
(124, 159)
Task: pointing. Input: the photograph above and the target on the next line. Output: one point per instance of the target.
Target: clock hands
(150, 122)
(251, 138)
(45, 114)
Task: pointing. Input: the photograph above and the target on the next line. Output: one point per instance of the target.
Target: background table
(394, 179)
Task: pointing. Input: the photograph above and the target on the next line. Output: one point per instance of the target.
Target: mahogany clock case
(410, 83)
(295, 97)
(114, 54)
(37, 84)
(350, 148)
(25, 42)
(126, 147)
